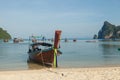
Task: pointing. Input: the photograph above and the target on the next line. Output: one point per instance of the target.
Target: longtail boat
(5, 40)
(45, 53)
(15, 40)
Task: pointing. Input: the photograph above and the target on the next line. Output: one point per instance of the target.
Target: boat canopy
(42, 44)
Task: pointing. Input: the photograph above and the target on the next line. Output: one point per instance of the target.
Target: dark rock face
(109, 31)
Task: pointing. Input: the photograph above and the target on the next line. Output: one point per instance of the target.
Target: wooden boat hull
(48, 55)
(44, 58)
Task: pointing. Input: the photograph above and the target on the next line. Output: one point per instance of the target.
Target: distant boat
(21, 40)
(45, 53)
(74, 40)
(5, 40)
(16, 40)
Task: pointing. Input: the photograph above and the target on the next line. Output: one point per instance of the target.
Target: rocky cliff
(109, 31)
(4, 34)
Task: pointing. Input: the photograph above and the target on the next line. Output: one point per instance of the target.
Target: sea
(79, 54)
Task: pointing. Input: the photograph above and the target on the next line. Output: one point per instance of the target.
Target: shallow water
(92, 54)
(75, 54)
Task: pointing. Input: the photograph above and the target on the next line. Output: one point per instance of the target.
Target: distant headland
(4, 34)
(108, 31)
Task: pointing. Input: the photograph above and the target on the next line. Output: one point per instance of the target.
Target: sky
(76, 18)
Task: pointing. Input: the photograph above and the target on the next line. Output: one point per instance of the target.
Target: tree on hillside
(4, 34)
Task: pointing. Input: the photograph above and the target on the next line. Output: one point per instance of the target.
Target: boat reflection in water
(32, 66)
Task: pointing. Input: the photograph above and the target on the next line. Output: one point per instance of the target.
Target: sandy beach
(102, 73)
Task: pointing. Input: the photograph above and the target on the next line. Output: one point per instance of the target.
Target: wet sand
(102, 73)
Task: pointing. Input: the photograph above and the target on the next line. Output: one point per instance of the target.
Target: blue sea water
(90, 54)
(74, 54)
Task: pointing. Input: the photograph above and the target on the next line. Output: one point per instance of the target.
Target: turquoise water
(75, 54)
(92, 54)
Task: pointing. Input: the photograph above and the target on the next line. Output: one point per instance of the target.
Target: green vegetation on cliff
(109, 31)
(4, 34)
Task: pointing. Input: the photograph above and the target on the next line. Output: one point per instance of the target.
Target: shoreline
(96, 73)
(34, 66)
(40, 67)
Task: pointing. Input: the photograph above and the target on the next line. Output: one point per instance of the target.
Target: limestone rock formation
(109, 31)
